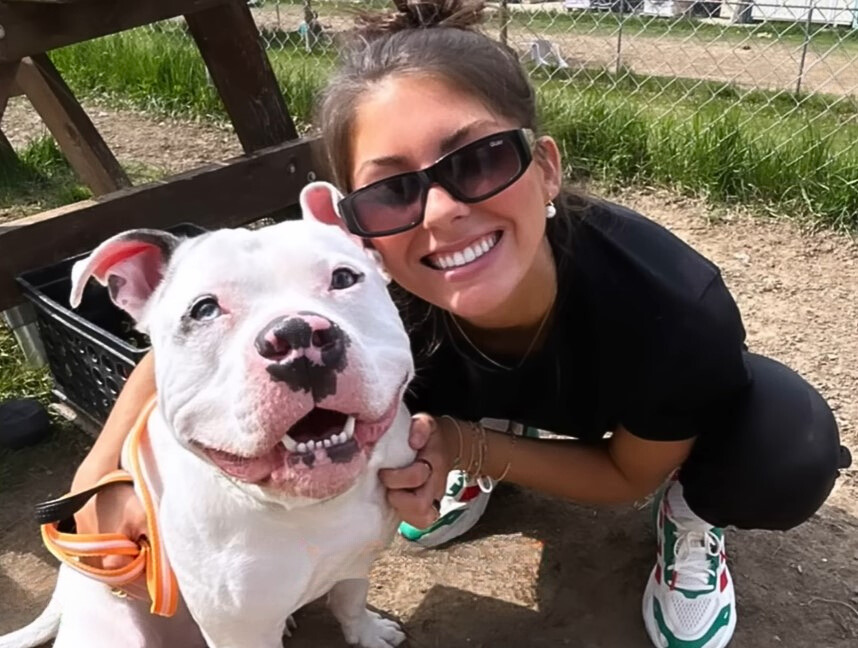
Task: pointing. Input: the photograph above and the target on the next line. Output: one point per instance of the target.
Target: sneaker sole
(719, 641)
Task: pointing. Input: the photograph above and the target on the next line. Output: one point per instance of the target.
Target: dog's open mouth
(321, 453)
(326, 430)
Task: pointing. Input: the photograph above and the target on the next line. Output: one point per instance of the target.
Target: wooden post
(7, 84)
(76, 135)
(234, 54)
(36, 27)
(7, 153)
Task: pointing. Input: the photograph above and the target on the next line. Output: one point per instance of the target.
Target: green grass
(39, 178)
(161, 71)
(16, 378)
(804, 169)
(796, 155)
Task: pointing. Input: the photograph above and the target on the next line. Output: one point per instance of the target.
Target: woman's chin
(478, 304)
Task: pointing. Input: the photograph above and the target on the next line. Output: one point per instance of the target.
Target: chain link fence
(762, 84)
(797, 46)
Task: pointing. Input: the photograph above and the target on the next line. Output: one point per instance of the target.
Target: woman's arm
(116, 509)
(104, 455)
(622, 469)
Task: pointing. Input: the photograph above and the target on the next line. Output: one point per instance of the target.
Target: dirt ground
(537, 571)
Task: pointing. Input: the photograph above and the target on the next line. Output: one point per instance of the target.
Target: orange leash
(147, 553)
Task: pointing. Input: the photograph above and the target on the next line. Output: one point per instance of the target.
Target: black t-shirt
(644, 334)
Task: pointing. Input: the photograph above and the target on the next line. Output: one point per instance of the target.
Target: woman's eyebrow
(387, 160)
(455, 139)
(448, 143)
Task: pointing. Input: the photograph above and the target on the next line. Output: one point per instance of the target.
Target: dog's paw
(374, 631)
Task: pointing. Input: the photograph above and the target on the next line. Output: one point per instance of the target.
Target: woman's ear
(547, 157)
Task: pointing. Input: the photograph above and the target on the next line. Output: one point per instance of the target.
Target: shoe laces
(692, 566)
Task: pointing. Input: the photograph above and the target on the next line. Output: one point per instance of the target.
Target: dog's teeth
(290, 443)
(327, 443)
(311, 445)
(348, 429)
(342, 437)
(302, 447)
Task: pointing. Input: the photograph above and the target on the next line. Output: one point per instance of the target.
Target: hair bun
(422, 14)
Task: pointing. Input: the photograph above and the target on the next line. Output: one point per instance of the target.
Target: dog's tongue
(254, 469)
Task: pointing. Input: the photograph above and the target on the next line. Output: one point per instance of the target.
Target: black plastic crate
(91, 350)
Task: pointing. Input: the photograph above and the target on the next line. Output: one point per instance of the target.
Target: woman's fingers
(410, 477)
(115, 509)
(414, 490)
(423, 427)
(417, 508)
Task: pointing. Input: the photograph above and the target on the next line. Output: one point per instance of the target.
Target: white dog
(281, 364)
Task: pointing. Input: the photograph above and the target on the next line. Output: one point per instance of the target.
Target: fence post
(804, 46)
(619, 61)
(503, 12)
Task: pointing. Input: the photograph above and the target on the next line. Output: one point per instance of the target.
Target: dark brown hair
(436, 38)
(441, 39)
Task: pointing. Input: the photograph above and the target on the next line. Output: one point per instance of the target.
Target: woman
(530, 304)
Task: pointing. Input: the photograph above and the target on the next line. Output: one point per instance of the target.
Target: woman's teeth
(463, 257)
(333, 440)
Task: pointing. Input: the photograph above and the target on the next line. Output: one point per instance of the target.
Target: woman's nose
(442, 208)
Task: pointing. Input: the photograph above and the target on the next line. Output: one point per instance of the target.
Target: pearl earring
(550, 210)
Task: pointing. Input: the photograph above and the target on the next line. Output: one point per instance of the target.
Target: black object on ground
(23, 422)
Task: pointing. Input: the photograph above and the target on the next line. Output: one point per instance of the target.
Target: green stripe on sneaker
(721, 621)
(414, 534)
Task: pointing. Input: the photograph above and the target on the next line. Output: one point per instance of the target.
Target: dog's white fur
(247, 555)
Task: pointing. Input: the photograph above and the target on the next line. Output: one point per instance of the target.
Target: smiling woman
(530, 306)
(534, 305)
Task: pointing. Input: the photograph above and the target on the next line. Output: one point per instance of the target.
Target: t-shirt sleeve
(689, 368)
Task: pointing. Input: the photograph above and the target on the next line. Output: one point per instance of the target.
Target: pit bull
(280, 364)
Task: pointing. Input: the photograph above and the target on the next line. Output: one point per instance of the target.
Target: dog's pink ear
(319, 203)
(130, 264)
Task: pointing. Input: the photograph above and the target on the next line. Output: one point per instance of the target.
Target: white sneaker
(689, 600)
(463, 504)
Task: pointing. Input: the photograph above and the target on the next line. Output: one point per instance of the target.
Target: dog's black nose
(306, 351)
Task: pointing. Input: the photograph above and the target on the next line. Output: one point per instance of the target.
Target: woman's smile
(456, 256)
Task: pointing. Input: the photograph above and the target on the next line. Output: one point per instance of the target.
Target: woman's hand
(414, 490)
(115, 509)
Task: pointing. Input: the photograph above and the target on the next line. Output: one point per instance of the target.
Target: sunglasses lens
(473, 173)
(389, 205)
(484, 168)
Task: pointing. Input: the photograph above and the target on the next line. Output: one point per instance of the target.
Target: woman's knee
(795, 431)
(781, 458)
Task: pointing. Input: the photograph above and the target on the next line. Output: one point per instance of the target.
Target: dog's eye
(205, 308)
(343, 278)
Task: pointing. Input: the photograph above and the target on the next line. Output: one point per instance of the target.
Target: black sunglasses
(475, 172)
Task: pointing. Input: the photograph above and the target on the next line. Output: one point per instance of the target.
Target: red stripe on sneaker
(658, 574)
(469, 493)
(723, 580)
